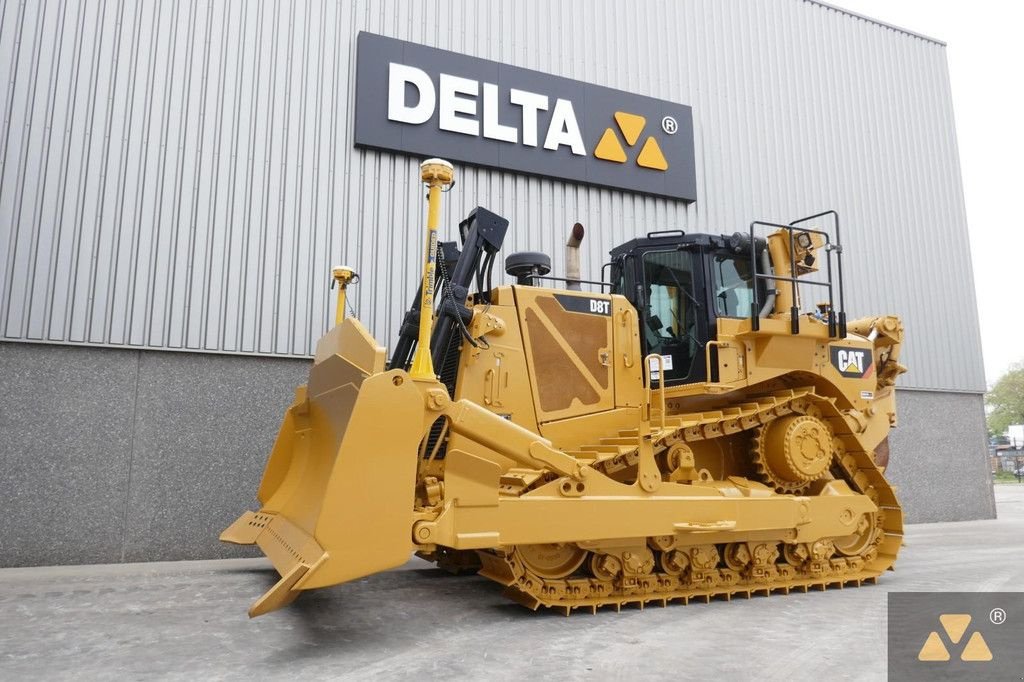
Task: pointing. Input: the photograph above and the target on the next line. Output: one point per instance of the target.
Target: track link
(590, 593)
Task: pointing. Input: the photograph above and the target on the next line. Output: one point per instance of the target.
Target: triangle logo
(933, 649)
(609, 148)
(631, 126)
(651, 156)
(976, 649)
(955, 625)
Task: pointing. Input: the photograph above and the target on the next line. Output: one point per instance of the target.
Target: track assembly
(806, 449)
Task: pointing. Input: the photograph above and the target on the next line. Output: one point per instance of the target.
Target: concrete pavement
(187, 620)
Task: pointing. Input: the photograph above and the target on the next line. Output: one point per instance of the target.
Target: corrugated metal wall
(180, 174)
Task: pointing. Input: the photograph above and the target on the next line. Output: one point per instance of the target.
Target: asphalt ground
(187, 620)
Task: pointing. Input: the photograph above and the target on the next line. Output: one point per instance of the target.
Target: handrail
(838, 248)
(829, 247)
(661, 385)
(565, 279)
(627, 353)
(707, 357)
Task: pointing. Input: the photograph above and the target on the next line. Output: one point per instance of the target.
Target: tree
(1006, 400)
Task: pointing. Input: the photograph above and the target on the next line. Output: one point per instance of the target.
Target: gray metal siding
(181, 175)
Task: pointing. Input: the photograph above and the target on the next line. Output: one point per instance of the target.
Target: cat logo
(631, 126)
(852, 363)
(955, 625)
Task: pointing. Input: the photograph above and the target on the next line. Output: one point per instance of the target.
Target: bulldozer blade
(337, 491)
(281, 594)
(243, 531)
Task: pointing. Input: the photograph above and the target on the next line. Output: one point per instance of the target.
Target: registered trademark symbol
(997, 616)
(669, 125)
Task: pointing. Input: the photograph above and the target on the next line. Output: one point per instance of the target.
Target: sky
(985, 51)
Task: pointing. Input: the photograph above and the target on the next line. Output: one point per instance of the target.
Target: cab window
(670, 325)
(734, 285)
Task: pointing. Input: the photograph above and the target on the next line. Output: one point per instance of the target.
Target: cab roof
(674, 238)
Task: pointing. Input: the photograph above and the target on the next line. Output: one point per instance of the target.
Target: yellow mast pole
(343, 276)
(437, 174)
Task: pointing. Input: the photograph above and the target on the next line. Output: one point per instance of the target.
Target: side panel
(568, 341)
(497, 378)
(748, 358)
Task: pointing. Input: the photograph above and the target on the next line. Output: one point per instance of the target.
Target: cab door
(674, 319)
(730, 294)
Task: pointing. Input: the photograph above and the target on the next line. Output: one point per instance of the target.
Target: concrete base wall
(939, 457)
(121, 455)
(115, 455)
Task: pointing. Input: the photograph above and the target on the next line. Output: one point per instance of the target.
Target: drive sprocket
(793, 451)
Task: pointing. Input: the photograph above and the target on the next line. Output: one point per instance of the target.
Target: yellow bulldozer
(680, 431)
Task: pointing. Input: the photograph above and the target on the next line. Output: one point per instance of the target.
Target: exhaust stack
(572, 257)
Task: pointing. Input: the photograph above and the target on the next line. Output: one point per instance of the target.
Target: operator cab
(680, 284)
